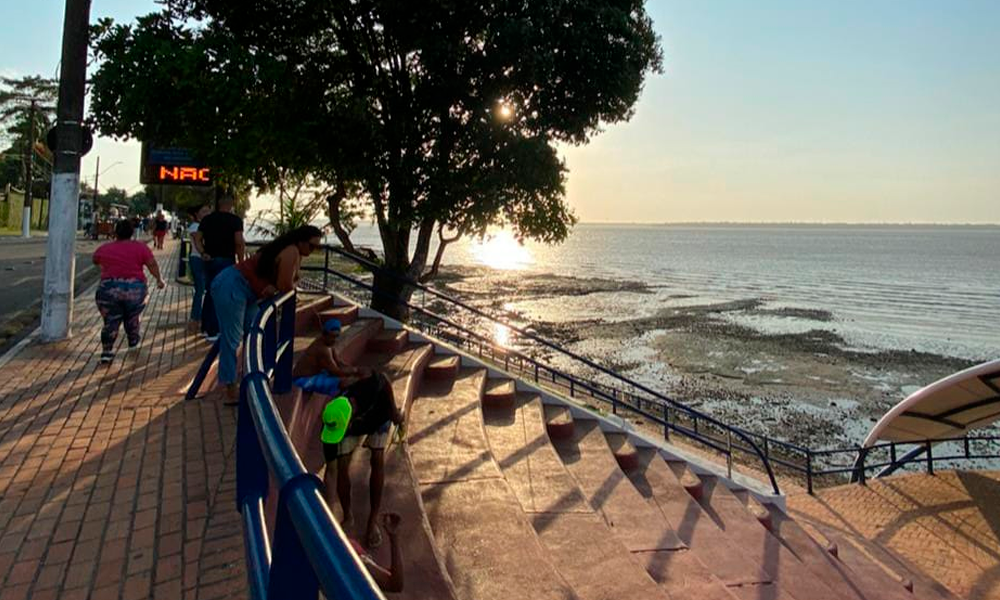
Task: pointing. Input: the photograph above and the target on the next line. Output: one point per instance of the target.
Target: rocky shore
(809, 387)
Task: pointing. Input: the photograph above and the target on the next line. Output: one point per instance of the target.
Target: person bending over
(374, 410)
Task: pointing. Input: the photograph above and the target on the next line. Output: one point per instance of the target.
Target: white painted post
(60, 258)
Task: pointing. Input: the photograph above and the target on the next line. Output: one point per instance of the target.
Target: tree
(17, 129)
(429, 114)
(113, 195)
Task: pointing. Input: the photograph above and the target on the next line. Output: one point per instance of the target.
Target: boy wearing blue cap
(319, 370)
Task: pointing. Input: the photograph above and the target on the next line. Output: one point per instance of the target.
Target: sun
(502, 251)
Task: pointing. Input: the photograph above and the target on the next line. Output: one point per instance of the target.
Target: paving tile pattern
(111, 485)
(946, 525)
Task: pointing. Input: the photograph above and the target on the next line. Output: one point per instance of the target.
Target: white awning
(947, 408)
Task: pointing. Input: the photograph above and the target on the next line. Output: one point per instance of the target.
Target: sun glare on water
(502, 251)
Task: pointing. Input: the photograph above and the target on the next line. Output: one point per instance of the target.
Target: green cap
(336, 416)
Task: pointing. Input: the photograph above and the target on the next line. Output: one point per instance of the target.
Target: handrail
(310, 551)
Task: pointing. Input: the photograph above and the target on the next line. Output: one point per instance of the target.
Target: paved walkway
(947, 525)
(111, 485)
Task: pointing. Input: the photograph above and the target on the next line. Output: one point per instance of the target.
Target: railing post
(182, 264)
(326, 269)
(965, 441)
(729, 453)
(286, 333)
(270, 330)
(199, 378)
(536, 372)
(809, 473)
(666, 422)
(862, 475)
(930, 459)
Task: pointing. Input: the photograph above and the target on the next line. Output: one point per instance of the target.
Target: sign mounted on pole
(173, 166)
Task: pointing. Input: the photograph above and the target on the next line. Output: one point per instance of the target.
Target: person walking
(196, 265)
(160, 230)
(121, 295)
(222, 245)
(237, 289)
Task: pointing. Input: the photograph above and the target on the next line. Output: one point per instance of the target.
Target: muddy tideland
(806, 386)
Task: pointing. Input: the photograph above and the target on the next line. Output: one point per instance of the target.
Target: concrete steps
(640, 526)
(425, 573)
(490, 549)
(594, 563)
(558, 422)
(499, 394)
(388, 341)
(661, 488)
(503, 496)
(837, 575)
(443, 366)
(785, 569)
(877, 563)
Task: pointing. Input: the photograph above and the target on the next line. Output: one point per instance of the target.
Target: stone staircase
(507, 491)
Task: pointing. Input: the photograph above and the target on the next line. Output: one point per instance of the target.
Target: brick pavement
(947, 525)
(111, 485)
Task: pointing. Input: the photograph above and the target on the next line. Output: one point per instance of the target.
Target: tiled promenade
(111, 485)
(947, 525)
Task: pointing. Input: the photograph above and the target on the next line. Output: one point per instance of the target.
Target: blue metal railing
(309, 550)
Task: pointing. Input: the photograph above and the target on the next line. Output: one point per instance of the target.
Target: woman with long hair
(236, 291)
(121, 295)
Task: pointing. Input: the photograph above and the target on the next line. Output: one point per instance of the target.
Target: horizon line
(810, 223)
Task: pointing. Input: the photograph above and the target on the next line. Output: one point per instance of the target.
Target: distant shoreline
(803, 224)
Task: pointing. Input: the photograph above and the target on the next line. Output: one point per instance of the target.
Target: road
(22, 272)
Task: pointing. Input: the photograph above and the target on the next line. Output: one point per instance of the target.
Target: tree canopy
(432, 115)
(17, 129)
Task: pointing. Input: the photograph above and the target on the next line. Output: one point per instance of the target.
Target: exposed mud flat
(809, 387)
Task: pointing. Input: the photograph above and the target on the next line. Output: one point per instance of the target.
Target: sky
(859, 111)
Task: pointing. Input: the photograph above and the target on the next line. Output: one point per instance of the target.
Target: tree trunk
(391, 293)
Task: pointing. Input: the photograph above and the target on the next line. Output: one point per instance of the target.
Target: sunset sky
(851, 111)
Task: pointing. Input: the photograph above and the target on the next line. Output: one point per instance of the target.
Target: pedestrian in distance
(121, 294)
(160, 230)
(236, 291)
(196, 265)
(222, 246)
(373, 411)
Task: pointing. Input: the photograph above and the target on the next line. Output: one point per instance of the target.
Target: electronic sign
(173, 166)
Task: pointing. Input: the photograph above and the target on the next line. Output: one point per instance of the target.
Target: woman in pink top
(121, 295)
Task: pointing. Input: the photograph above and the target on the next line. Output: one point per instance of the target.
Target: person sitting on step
(320, 370)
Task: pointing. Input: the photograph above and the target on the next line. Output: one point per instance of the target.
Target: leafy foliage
(17, 130)
(428, 114)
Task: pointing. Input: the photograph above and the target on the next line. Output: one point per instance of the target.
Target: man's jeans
(209, 322)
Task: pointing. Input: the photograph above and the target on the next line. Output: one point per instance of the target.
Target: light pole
(29, 176)
(60, 256)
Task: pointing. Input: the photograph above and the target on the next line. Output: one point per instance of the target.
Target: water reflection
(501, 335)
(502, 251)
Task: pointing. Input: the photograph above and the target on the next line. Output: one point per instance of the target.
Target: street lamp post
(60, 258)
